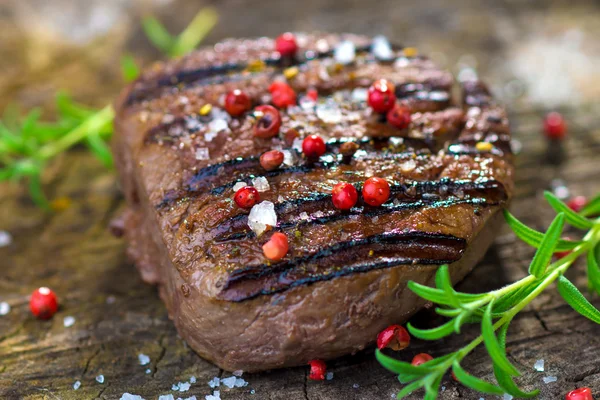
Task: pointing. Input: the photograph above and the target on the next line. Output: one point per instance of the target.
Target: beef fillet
(180, 155)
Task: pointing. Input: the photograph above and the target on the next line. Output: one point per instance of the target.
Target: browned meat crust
(345, 275)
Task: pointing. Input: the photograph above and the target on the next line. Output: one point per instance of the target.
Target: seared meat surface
(181, 156)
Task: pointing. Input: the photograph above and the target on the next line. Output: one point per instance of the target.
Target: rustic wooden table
(537, 55)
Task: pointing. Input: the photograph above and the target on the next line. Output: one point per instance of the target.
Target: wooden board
(117, 317)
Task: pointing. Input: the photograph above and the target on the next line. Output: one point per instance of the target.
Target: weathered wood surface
(119, 317)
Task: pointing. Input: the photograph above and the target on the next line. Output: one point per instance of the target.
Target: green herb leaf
(443, 282)
(400, 367)
(592, 207)
(571, 216)
(473, 382)
(544, 253)
(195, 32)
(533, 237)
(434, 333)
(408, 389)
(576, 300)
(496, 351)
(158, 34)
(129, 68)
(593, 268)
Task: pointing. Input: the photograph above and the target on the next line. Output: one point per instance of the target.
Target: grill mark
(413, 196)
(388, 249)
(203, 75)
(210, 176)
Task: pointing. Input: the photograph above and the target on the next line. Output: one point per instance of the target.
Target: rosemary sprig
(28, 144)
(495, 310)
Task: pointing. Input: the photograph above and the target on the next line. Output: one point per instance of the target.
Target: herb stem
(91, 124)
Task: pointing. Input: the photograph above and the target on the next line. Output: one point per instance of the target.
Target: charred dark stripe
(442, 193)
(355, 256)
(223, 71)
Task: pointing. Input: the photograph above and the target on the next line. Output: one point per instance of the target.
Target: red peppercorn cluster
(375, 192)
(382, 99)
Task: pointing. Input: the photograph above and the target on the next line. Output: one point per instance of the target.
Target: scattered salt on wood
(507, 397)
(192, 379)
(229, 382)
(539, 365)
(166, 397)
(5, 239)
(215, 396)
(143, 359)
(68, 321)
(549, 379)
(240, 382)
(148, 371)
(214, 382)
(76, 385)
(356, 386)
(110, 299)
(252, 391)
(329, 376)
(345, 52)
(238, 372)
(184, 386)
(4, 308)
(128, 396)
(100, 379)
(381, 48)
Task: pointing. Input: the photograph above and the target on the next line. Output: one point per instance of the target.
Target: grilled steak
(344, 276)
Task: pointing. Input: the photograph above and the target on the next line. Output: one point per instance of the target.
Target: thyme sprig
(27, 144)
(495, 310)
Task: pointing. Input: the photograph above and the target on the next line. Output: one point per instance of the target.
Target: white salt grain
(539, 365)
(329, 113)
(4, 308)
(360, 95)
(408, 166)
(76, 385)
(238, 372)
(188, 398)
(128, 396)
(288, 158)
(239, 185)
(261, 184)
(184, 386)
(192, 379)
(261, 215)
(175, 387)
(5, 239)
(218, 125)
(381, 48)
(214, 382)
(507, 397)
(148, 371)
(215, 396)
(297, 145)
(252, 391)
(166, 397)
(100, 379)
(345, 52)
(229, 382)
(549, 379)
(202, 153)
(329, 376)
(143, 359)
(110, 299)
(356, 386)
(68, 321)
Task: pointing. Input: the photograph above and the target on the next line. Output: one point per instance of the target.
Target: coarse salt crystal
(76, 385)
(381, 48)
(408, 166)
(188, 398)
(218, 125)
(261, 184)
(209, 136)
(214, 382)
(166, 397)
(184, 386)
(329, 113)
(175, 387)
(304, 215)
(202, 153)
(229, 382)
(100, 379)
(252, 391)
(215, 396)
(356, 386)
(4, 308)
(143, 359)
(240, 382)
(238, 372)
(539, 365)
(549, 379)
(5, 239)
(128, 396)
(507, 396)
(360, 95)
(239, 185)
(192, 379)
(345, 52)
(68, 321)
(261, 216)
(148, 371)
(329, 376)
(297, 144)
(288, 158)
